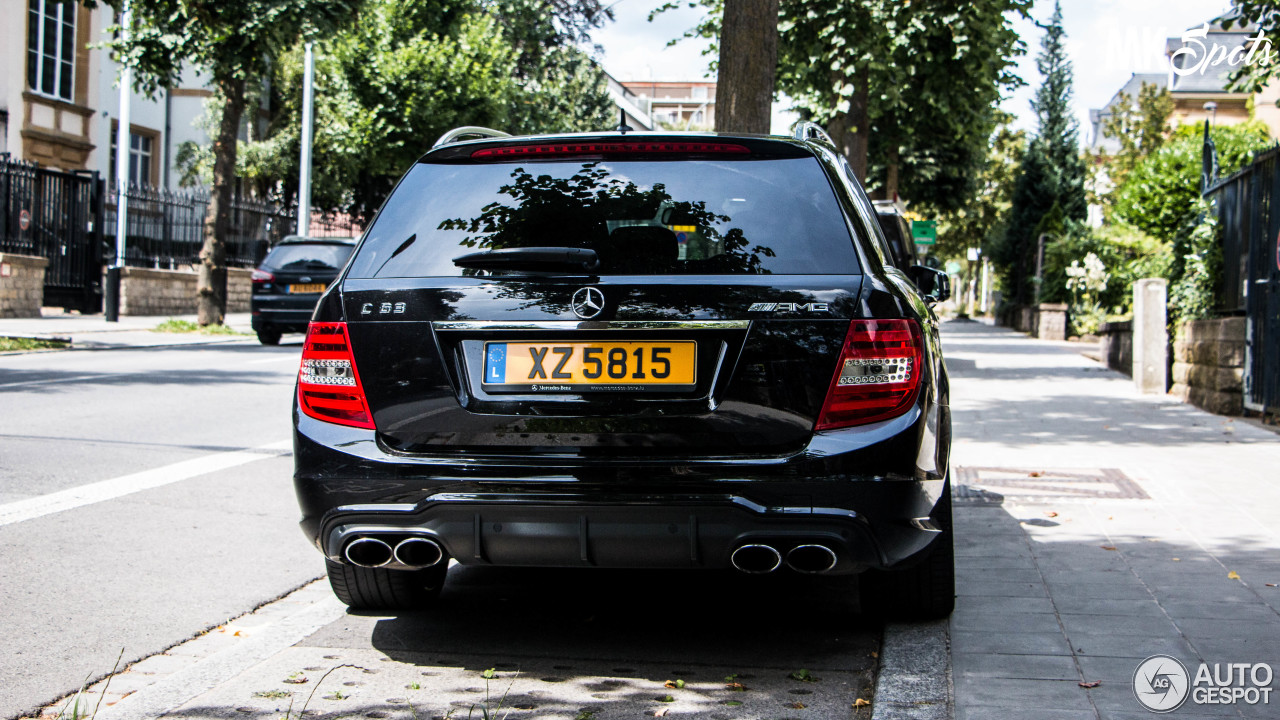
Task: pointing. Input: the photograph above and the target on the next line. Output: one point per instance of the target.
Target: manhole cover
(992, 486)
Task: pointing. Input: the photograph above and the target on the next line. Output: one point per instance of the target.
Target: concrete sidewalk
(93, 332)
(1096, 528)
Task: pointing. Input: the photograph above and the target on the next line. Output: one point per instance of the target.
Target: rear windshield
(642, 217)
(307, 256)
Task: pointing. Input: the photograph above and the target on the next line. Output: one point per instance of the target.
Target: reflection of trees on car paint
(634, 230)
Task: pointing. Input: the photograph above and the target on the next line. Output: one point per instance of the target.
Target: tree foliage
(1140, 125)
(978, 222)
(904, 88)
(234, 43)
(1160, 194)
(409, 72)
(1049, 191)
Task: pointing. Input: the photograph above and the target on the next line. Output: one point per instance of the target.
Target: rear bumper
(846, 491)
(283, 312)
(560, 531)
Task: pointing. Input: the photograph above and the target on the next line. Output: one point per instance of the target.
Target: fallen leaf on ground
(660, 712)
(1177, 559)
(1107, 547)
(1271, 585)
(797, 706)
(1233, 575)
(1035, 473)
(875, 654)
(1051, 514)
(861, 703)
(1092, 684)
(674, 684)
(736, 686)
(295, 681)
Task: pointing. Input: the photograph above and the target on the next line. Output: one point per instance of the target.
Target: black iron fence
(69, 218)
(1249, 217)
(55, 215)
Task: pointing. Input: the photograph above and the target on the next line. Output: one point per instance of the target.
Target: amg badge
(788, 307)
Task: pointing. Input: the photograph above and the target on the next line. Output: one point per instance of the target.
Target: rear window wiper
(531, 258)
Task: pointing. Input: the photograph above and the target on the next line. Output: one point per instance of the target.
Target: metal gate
(55, 215)
(1248, 206)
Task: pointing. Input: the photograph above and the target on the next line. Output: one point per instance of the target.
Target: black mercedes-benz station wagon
(627, 350)
(289, 281)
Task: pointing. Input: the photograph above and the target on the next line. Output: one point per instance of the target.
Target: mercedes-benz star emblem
(587, 302)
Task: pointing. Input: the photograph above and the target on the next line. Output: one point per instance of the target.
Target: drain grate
(993, 486)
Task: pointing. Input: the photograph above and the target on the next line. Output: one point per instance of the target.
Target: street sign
(924, 232)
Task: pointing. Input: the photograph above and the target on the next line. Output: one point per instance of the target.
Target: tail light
(262, 276)
(600, 149)
(329, 387)
(878, 376)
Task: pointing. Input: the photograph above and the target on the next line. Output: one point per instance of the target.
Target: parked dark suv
(627, 351)
(289, 281)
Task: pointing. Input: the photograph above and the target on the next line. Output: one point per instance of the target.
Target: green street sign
(924, 232)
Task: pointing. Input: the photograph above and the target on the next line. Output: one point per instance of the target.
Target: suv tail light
(262, 276)
(329, 387)
(878, 376)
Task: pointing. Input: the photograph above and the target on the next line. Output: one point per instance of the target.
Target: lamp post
(111, 294)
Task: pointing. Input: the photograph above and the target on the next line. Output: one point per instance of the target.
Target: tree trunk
(860, 125)
(891, 161)
(211, 282)
(748, 64)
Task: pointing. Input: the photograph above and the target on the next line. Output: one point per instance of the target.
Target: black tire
(381, 589)
(269, 336)
(924, 591)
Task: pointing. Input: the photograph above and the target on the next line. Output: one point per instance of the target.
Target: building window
(697, 117)
(51, 47)
(700, 92)
(140, 159)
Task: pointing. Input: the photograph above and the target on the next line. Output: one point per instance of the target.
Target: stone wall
(21, 285)
(144, 291)
(1208, 364)
(1116, 346)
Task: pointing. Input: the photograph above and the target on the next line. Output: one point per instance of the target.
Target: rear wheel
(362, 588)
(924, 591)
(269, 336)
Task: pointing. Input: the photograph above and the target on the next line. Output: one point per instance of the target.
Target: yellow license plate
(306, 288)
(584, 366)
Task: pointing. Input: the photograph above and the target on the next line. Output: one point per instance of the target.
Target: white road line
(31, 508)
(74, 378)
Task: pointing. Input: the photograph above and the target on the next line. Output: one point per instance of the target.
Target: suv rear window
(308, 255)
(642, 217)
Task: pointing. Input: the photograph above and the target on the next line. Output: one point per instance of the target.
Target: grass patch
(8, 344)
(174, 325)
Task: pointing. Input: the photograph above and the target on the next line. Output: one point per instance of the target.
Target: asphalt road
(145, 497)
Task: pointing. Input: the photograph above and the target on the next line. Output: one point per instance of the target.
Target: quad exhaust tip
(756, 559)
(811, 559)
(418, 553)
(368, 552)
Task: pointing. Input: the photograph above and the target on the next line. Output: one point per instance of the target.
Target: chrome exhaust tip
(418, 553)
(368, 552)
(811, 559)
(756, 559)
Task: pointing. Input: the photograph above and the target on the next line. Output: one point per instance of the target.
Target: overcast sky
(1107, 41)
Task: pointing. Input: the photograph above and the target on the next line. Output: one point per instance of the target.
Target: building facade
(678, 105)
(59, 103)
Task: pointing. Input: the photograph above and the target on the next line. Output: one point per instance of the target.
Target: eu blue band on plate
(495, 364)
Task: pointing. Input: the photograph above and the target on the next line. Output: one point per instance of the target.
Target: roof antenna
(623, 127)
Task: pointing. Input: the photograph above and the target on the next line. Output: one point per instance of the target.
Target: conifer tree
(1052, 172)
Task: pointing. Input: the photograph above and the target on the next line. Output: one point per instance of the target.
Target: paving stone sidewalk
(1097, 527)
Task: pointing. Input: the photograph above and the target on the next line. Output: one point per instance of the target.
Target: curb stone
(914, 679)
